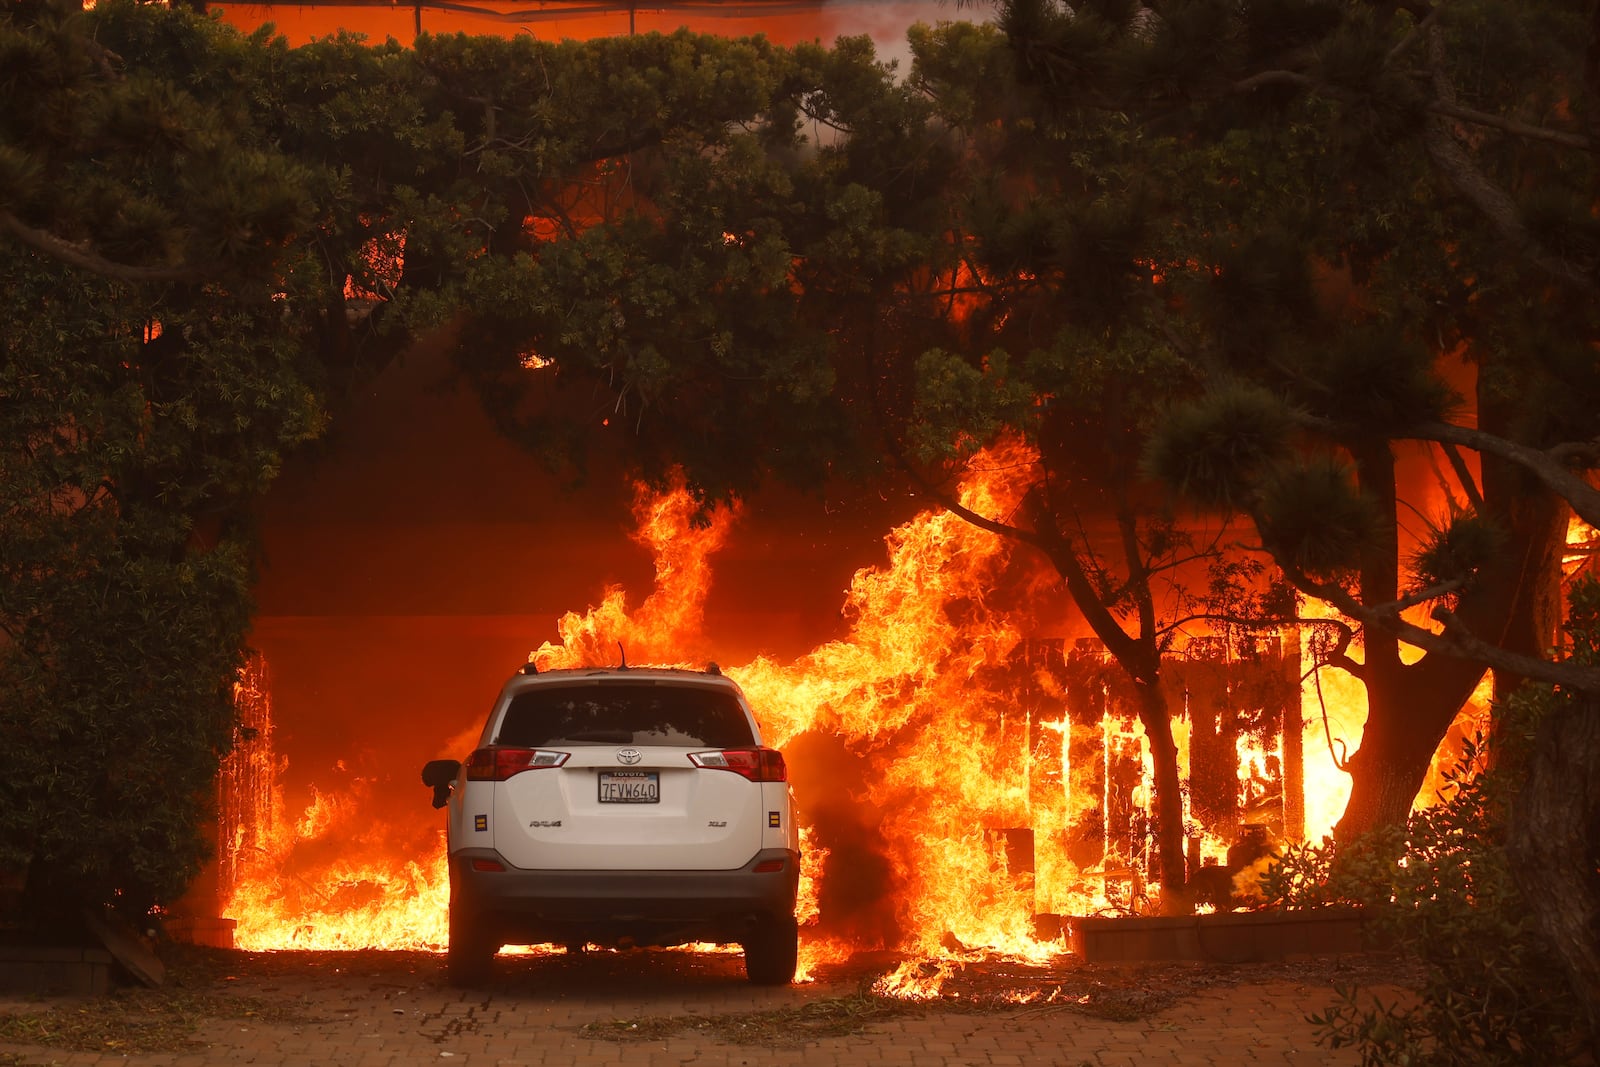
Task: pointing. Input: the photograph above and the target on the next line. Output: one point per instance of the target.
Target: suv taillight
(496, 764)
(756, 764)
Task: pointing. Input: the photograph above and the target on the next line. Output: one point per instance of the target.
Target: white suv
(620, 806)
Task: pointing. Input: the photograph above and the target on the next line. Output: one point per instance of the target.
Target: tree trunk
(1410, 707)
(1554, 841)
(1384, 779)
(1383, 775)
(1156, 719)
(1529, 570)
(1409, 710)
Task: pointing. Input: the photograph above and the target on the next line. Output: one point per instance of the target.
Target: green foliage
(1313, 518)
(149, 389)
(1582, 627)
(691, 303)
(125, 578)
(1374, 381)
(1441, 890)
(1214, 450)
(1260, 289)
(956, 62)
(1456, 551)
(1184, 50)
(960, 408)
(131, 158)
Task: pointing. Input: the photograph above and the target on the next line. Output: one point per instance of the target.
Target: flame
(666, 627)
(916, 979)
(1583, 546)
(384, 255)
(956, 799)
(321, 882)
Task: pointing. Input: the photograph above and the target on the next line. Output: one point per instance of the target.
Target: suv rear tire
(772, 951)
(469, 957)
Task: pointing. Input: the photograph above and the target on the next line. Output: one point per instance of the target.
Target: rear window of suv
(625, 714)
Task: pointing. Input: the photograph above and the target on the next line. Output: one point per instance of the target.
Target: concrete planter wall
(199, 930)
(1226, 937)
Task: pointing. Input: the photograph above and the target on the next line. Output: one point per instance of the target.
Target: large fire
(966, 786)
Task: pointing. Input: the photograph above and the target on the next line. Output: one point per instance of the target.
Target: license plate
(630, 787)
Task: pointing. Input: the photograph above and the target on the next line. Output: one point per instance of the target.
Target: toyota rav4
(620, 806)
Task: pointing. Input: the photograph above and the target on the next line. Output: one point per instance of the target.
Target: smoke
(887, 23)
(859, 884)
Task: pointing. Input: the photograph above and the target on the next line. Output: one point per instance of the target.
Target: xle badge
(480, 822)
(773, 819)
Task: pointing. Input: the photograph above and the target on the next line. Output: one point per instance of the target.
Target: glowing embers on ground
(965, 786)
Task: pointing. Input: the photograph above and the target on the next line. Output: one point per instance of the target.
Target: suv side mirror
(440, 775)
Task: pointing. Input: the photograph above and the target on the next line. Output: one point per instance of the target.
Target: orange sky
(780, 21)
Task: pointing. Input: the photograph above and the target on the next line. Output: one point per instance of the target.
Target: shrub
(1440, 890)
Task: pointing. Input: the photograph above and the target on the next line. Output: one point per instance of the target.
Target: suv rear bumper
(532, 906)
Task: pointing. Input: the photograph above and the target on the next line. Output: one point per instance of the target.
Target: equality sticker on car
(774, 819)
(480, 822)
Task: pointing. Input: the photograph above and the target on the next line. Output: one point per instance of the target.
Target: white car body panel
(552, 818)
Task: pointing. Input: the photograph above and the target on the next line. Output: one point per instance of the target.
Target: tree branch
(82, 257)
(1446, 109)
(1492, 202)
(1457, 641)
(1136, 656)
(1512, 126)
(1546, 466)
(1550, 466)
(1278, 77)
(1339, 655)
(1469, 484)
(1416, 34)
(1138, 573)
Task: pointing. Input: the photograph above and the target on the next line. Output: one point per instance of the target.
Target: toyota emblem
(629, 756)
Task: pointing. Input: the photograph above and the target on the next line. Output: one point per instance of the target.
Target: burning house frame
(1242, 759)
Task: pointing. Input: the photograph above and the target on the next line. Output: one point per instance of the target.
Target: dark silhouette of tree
(147, 393)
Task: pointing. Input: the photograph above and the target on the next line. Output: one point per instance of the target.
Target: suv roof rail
(529, 667)
(712, 668)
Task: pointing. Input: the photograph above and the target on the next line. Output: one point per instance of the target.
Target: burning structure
(969, 772)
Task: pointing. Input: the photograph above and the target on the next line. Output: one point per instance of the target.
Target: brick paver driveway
(666, 1009)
